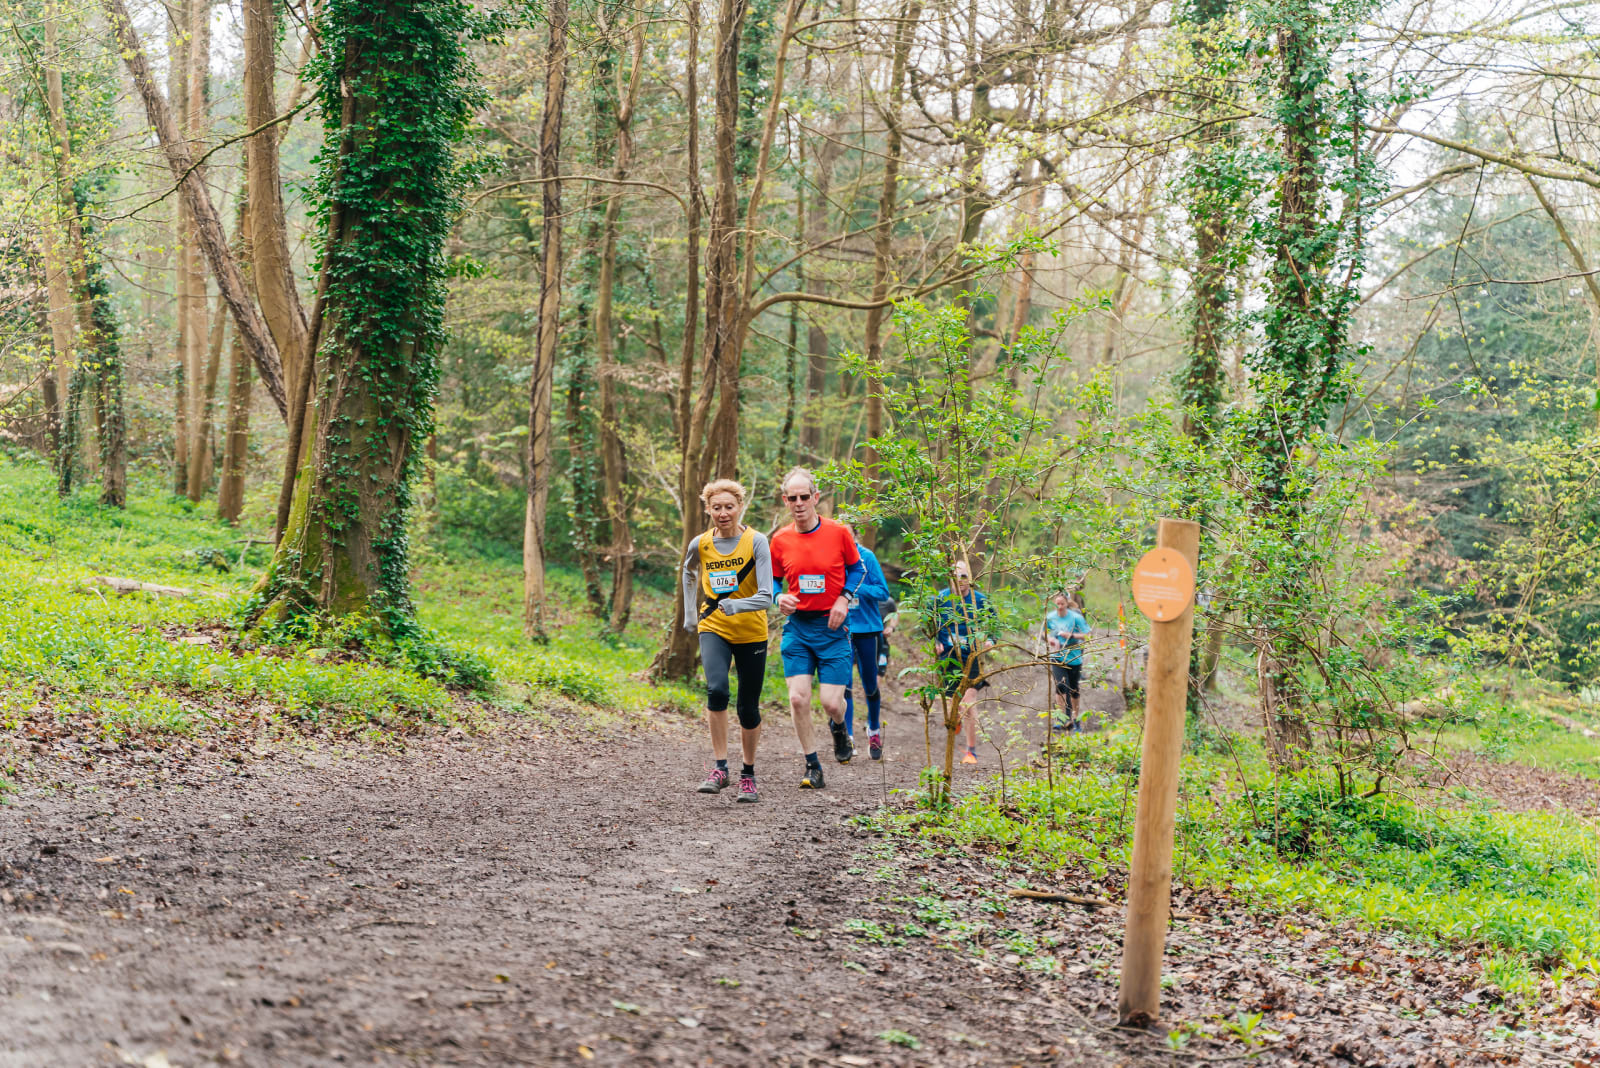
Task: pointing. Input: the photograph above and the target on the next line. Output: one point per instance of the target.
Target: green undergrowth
(1520, 886)
(140, 662)
(1523, 735)
(477, 603)
(76, 655)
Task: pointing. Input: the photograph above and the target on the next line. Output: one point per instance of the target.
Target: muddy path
(553, 897)
(514, 898)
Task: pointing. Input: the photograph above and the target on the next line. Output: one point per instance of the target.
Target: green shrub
(1523, 883)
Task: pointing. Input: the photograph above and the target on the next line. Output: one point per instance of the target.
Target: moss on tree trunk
(395, 96)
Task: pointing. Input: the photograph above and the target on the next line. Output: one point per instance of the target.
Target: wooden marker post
(1163, 588)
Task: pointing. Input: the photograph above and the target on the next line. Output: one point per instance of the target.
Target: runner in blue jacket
(866, 631)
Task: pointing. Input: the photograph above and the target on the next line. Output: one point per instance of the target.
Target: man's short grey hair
(798, 472)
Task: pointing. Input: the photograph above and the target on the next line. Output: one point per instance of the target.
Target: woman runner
(730, 566)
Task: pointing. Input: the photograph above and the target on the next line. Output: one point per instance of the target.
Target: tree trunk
(720, 452)
(110, 412)
(680, 651)
(400, 65)
(191, 181)
(714, 445)
(585, 465)
(178, 71)
(882, 239)
(202, 460)
(1304, 343)
(549, 328)
(791, 358)
(63, 256)
(236, 439)
(272, 268)
(707, 439)
(201, 344)
(816, 337)
(614, 461)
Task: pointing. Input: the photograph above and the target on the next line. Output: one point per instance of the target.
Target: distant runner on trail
(727, 588)
(818, 560)
(866, 637)
(1065, 629)
(966, 628)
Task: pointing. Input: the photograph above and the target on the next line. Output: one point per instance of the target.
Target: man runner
(866, 636)
(818, 561)
(727, 588)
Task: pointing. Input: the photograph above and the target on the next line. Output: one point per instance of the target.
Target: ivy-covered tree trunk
(582, 341)
(394, 103)
(1300, 364)
(614, 461)
(1213, 189)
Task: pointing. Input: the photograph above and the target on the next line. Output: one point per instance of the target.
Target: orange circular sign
(1163, 584)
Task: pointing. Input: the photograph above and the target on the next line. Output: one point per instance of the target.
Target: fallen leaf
(586, 1053)
(502, 978)
(853, 1060)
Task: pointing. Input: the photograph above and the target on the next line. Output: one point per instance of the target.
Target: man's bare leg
(800, 710)
(833, 701)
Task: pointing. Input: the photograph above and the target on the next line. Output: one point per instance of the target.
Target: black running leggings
(749, 660)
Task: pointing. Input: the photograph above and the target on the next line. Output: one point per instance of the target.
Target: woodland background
(778, 174)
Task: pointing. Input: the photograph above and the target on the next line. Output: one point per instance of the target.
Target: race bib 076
(813, 583)
(723, 581)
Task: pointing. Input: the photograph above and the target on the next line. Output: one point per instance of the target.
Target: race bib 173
(813, 583)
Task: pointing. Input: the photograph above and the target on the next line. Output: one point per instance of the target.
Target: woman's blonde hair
(722, 485)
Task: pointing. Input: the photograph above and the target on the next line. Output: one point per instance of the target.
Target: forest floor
(549, 894)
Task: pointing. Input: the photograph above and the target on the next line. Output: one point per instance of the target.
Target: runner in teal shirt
(1065, 631)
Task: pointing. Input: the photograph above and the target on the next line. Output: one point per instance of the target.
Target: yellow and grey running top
(734, 586)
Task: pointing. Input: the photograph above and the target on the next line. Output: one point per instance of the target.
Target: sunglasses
(793, 498)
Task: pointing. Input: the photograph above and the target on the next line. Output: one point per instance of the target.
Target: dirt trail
(496, 900)
(559, 898)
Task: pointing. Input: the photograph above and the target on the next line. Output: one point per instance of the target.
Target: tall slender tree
(547, 337)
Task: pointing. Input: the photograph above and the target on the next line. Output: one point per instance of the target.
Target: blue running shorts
(810, 648)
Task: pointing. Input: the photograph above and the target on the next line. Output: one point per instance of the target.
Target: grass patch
(77, 656)
(477, 604)
(1533, 743)
(1520, 884)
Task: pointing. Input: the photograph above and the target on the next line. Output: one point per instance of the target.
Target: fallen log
(127, 585)
(1063, 899)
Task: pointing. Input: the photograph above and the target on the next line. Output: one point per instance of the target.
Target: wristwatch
(851, 599)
